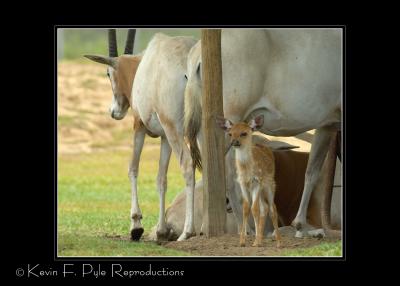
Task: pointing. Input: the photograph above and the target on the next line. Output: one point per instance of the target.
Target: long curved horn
(130, 42)
(112, 43)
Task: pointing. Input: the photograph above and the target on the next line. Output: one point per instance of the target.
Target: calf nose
(236, 143)
(112, 113)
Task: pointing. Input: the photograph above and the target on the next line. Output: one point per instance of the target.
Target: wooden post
(214, 197)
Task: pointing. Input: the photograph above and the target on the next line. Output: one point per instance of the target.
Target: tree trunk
(214, 209)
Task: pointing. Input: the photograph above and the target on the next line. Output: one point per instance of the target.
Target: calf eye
(243, 134)
(186, 76)
(230, 134)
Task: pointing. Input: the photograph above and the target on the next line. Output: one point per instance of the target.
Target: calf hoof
(136, 233)
(256, 244)
(186, 235)
(279, 244)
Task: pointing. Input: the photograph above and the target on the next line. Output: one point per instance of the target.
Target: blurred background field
(94, 153)
(73, 43)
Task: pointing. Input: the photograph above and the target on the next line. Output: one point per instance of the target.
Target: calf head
(240, 133)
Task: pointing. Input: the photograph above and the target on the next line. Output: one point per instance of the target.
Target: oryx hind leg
(318, 153)
(165, 155)
(182, 152)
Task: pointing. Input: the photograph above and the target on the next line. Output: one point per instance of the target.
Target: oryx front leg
(318, 152)
(233, 192)
(165, 155)
(136, 229)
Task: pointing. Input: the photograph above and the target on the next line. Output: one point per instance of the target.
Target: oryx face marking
(119, 104)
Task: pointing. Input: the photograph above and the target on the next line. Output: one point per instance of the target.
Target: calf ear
(257, 122)
(223, 123)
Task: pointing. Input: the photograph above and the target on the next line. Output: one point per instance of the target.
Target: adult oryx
(291, 76)
(156, 100)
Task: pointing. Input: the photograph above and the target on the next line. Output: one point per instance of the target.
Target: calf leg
(165, 155)
(319, 148)
(136, 229)
(243, 229)
(264, 208)
(273, 212)
(255, 210)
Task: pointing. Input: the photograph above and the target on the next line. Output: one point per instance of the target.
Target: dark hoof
(136, 234)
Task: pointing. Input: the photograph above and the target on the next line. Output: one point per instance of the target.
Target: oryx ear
(223, 123)
(257, 122)
(102, 60)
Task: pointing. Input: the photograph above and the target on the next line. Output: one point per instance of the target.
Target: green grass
(324, 249)
(94, 203)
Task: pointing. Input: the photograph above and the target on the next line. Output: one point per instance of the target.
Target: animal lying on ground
(255, 165)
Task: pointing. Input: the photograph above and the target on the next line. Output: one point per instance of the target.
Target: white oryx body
(158, 99)
(291, 76)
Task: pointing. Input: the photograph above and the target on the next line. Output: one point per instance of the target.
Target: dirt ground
(228, 245)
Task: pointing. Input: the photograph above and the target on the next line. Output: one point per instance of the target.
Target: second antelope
(256, 175)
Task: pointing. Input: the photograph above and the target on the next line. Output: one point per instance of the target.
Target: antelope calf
(256, 175)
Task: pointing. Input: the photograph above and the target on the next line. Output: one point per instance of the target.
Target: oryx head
(121, 72)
